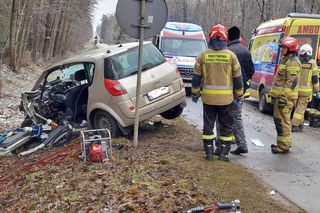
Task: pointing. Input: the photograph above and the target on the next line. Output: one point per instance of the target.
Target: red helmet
(290, 42)
(218, 31)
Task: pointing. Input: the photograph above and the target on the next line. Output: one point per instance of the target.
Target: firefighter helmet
(290, 42)
(219, 31)
(305, 49)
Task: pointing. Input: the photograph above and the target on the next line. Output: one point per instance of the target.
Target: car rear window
(126, 63)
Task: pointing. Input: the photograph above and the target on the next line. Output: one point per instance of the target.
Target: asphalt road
(295, 175)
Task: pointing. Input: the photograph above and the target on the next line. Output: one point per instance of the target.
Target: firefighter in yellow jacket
(285, 93)
(217, 78)
(308, 84)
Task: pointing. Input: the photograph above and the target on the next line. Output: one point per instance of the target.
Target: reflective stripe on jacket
(286, 80)
(309, 79)
(217, 77)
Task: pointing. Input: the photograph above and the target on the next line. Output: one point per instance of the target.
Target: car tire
(103, 120)
(263, 106)
(188, 91)
(172, 113)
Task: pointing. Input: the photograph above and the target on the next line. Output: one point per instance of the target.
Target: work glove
(195, 100)
(281, 103)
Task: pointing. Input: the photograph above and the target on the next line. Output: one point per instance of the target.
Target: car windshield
(182, 46)
(126, 63)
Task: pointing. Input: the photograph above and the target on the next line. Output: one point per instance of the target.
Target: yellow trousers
(299, 110)
(282, 122)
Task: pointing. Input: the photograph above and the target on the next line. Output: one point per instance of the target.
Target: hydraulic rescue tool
(233, 206)
(96, 145)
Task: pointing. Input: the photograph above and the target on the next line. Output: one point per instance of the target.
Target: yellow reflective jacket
(286, 80)
(309, 79)
(217, 77)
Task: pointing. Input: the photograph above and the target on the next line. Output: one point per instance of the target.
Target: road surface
(295, 175)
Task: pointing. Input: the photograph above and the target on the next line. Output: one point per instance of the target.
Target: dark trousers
(225, 119)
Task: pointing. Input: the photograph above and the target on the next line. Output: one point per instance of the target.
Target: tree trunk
(12, 38)
(36, 35)
(49, 29)
(25, 31)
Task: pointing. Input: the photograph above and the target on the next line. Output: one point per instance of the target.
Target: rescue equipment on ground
(233, 206)
(96, 145)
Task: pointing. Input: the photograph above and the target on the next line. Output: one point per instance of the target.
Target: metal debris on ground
(257, 142)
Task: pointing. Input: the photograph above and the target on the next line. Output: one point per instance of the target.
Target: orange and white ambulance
(266, 53)
(181, 43)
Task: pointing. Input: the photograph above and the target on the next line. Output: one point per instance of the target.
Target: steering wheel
(58, 96)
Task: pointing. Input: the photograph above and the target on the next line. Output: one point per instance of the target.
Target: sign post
(141, 19)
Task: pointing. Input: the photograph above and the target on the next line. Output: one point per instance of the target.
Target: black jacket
(244, 57)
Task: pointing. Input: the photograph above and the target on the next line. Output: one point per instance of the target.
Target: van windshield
(182, 46)
(126, 63)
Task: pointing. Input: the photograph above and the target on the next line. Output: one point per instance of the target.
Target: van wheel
(264, 107)
(103, 120)
(172, 113)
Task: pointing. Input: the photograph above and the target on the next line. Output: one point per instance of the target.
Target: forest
(38, 31)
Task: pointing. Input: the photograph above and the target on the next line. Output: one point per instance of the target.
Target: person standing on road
(247, 69)
(284, 91)
(217, 78)
(308, 84)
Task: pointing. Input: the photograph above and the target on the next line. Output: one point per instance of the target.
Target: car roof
(97, 54)
(272, 23)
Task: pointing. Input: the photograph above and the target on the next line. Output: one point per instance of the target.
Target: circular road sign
(128, 17)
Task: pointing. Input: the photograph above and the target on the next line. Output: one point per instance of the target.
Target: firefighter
(308, 84)
(284, 91)
(217, 79)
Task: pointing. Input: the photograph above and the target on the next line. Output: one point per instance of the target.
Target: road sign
(128, 15)
(141, 19)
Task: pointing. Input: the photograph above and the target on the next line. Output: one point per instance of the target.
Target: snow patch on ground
(14, 84)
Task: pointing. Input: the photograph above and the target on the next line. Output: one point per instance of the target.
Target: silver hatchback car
(100, 87)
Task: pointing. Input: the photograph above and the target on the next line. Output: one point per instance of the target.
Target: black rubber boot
(225, 152)
(217, 151)
(208, 148)
(239, 150)
(276, 150)
(301, 127)
(295, 129)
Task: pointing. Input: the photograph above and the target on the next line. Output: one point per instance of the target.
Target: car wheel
(103, 120)
(172, 113)
(264, 107)
(188, 91)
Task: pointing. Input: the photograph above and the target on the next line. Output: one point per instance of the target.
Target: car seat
(77, 97)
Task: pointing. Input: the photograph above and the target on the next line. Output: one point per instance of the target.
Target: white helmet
(305, 49)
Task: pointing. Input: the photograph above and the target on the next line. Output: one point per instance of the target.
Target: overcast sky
(103, 7)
